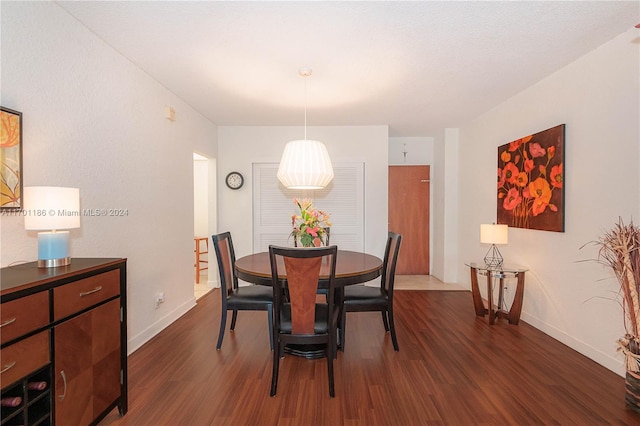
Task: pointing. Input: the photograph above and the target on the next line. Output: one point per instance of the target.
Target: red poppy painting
(530, 181)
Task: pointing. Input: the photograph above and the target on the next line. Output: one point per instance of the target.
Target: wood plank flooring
(452, 369)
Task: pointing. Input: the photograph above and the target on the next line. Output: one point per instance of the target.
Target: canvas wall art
(10, 159)
(531, 181)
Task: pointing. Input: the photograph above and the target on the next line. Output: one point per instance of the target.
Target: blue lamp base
(53, 249)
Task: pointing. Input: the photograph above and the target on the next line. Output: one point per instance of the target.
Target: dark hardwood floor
(452, 369)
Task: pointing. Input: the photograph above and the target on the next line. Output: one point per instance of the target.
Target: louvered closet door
(343, 199)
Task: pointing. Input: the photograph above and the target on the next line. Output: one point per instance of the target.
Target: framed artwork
(10, 159)
(531, 181)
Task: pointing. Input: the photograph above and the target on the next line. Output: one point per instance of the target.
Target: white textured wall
(93, 120)
(201, 198)
(419, 151)
(239, 147)
(597, 97)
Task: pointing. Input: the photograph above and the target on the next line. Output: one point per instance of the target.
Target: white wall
(444, 208)
(419, 151)
(201, 198)
(597, 97)
(239, 147)
(95, 121)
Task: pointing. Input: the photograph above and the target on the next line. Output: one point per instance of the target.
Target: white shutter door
(343, 199)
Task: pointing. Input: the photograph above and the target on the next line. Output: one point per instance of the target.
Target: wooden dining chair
(327, 231)
(234, 297)
(299, 318)
(359, 298)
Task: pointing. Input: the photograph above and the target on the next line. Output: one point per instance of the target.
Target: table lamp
(52, 209)
(493, 234)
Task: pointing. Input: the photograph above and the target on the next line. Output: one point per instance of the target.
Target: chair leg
(223, 324)
(343, 325)
(233, 320)
(330, 351)
(270, 321)
(384, 321)
(394, 339)
(276, 363)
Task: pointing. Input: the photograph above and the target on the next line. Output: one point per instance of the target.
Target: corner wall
(598, 98)
(94, 120)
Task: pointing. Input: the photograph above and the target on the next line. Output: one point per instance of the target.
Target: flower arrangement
(309, 227)
(619, 250)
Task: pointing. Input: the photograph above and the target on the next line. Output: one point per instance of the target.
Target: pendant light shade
(305, 164)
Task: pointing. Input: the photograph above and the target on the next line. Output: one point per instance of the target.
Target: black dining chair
(234, 297)
(327, 231)
(299, 318)
(360, 298)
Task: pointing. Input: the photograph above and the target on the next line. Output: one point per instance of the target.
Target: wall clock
(234, 180)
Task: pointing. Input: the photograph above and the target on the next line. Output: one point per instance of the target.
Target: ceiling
(416, 66)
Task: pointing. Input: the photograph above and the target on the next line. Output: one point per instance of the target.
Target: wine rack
(35, 406)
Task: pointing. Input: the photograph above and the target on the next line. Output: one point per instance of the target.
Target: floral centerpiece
(619, 250)
(310, 226)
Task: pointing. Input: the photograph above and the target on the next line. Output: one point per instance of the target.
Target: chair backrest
(302, 268)
(226, 261)
(389, 263)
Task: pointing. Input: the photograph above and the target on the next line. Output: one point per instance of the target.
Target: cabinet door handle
(95, 290)
(7, 367)
(64, 381)
(7, 322)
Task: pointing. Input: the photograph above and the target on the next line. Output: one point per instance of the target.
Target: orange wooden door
(409, 216)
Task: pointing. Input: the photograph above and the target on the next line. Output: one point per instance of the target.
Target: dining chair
(299, 318)
(238, 298)
(360, 298)
(327, 231)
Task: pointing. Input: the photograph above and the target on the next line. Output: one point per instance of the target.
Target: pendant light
(305, 164)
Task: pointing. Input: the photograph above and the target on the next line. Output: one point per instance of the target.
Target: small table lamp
(50, 209)
(493, 234)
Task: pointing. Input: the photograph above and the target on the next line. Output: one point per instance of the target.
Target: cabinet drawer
(73, 297)
(24, 357)
(23, 315)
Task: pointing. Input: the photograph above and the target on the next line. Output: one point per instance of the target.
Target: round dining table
(352, 267)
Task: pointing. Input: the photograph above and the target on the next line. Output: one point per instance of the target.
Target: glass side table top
(506, 269)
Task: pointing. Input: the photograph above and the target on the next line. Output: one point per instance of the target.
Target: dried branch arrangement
(619, 250)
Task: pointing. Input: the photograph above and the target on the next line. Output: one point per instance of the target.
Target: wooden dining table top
(351, 268)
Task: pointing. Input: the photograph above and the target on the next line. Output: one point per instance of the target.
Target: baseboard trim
(147, 334)
(608, 361)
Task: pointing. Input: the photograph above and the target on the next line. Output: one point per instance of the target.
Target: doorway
(201, 224)
(409, 192)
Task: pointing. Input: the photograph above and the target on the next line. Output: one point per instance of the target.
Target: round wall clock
(234, 180)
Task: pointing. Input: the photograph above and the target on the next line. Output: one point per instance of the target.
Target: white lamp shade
(48, 208)
(494, 234)
(305, 164)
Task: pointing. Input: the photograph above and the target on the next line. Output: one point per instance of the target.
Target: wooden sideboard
(63, 335)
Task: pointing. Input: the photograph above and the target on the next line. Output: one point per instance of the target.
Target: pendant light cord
(305, 107)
